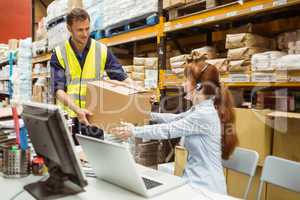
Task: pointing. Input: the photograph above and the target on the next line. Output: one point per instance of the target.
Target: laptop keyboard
(150, 184)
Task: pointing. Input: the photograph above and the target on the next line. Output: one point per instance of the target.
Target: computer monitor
(51, 139)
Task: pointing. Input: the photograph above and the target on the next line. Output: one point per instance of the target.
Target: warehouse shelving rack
(232, 11)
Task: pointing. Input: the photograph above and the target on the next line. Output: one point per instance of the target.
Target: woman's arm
(192, 124)
(165, 117)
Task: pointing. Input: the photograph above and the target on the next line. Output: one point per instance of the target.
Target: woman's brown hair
(196, 70)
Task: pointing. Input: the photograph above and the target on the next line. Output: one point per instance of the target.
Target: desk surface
(98, 189)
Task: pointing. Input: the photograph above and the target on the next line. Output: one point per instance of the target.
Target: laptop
(114, 163)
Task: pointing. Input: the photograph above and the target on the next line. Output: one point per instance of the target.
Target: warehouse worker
(80, 60)
(204, 138)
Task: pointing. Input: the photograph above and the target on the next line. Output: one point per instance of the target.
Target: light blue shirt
(201, 129)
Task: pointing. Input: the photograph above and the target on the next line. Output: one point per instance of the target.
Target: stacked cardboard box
(173, 3)
(177, 64)
(241, 47)
(264, 65)
(3, 52)
(138, 70)
(220, 63)
(206, 52)
(146, 153)
(289, 42)
(146, 71)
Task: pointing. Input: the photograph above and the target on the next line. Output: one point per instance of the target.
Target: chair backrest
(281, 172)
(243, 161)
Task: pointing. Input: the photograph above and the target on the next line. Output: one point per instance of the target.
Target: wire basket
(16, 162)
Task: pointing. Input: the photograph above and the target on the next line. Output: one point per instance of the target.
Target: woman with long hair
(207, 128)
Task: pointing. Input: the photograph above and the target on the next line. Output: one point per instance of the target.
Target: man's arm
(67, 100)
(114, 69)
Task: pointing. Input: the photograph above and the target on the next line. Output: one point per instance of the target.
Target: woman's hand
(153, 99)
(123, 132)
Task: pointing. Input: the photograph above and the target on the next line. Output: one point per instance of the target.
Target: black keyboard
(150, 184)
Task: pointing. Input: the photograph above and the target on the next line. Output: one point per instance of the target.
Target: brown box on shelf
(176, 3)
(74, 4)
(234, 41)
(112, 102)
(180, 58)
(137, 76)
(239, 66)
(211, 3)
(128, 68)
(139, 69)
(139, 61)
(37, 93)
(151, 63)
(243, 53)
(220, 63)
(207, 52)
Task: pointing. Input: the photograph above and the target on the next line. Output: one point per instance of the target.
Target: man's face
(80, 31)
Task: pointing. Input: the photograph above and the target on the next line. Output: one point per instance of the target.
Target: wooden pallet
(132, 24)
(194, 7)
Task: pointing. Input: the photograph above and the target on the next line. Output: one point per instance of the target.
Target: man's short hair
(77, 14)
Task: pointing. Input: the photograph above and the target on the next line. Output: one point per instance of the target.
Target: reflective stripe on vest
(77, 78)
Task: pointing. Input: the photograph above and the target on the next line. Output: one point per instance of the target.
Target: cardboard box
(181, 58)
(221, 64)
(137, 76)
(239, 66)
(207, 52)
(175, 65)
(112, 102)
(166, 4)
(211, 3)
(243, 53)
(37, 93)
(128, 68)
(139, 69)
(151, 63)
(74, 4)
(139, 61)
(246, 40)
(176, 3)
(256, 132)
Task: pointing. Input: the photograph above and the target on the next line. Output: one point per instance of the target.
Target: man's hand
(82, 115)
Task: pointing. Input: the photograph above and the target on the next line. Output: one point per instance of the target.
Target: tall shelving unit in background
(163, 32)
(201, 28)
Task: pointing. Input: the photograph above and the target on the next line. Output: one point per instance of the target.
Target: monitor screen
(51, 139)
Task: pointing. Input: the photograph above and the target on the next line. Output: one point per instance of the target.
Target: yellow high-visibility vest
(77, 77)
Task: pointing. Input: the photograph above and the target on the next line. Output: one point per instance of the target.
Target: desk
(98, 189)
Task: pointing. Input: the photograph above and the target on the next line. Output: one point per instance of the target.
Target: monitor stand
(56, 186)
